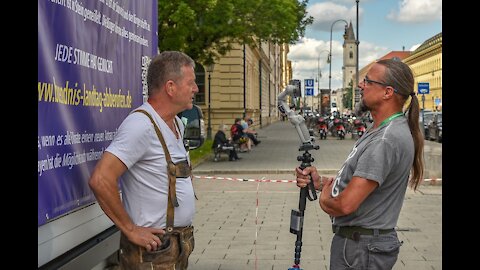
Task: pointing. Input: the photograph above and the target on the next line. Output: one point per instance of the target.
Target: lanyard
(395, 115)
(367, 132)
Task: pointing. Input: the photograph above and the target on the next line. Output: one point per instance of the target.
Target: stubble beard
(361, 108)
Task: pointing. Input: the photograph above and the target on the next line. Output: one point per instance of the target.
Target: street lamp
(357, 42)
(330, 55)
(319, 76)
(209, 128)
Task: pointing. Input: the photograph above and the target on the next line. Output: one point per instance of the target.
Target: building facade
(426, 64)
(246, 81)
(349, 64)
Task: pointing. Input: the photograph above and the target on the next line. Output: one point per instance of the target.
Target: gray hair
(222, 127)
(400, 76)
(166, 66)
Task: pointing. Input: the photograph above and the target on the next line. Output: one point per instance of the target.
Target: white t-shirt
(145, 183)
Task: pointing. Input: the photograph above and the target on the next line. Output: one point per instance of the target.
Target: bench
(221, 149)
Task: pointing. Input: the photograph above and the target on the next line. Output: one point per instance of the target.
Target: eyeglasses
(366, 81)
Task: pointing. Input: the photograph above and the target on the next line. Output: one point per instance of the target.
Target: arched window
(200, 81)
(351, 55)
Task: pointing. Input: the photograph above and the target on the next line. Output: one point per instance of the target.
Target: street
(244, 207)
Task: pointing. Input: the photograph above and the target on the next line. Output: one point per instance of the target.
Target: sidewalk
(279, 150)
(246, 225)
(278, 153)
(243, 222)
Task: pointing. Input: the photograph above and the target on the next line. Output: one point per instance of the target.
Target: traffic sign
(424, 88)
(309, 86)
(309, 83)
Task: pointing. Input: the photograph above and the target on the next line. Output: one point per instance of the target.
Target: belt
(354, 232)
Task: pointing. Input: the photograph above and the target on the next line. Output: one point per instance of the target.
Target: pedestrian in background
(238, 135)
(157, 207)
(245, 122)
(365, 198)
(220, 140)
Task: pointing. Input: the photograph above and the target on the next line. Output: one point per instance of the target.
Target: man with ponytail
(365, 198)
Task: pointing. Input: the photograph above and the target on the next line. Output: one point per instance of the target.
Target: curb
(333, 172)
(201, 160)
(261, 171)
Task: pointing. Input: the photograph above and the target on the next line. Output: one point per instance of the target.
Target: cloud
(326, 13)
(305, 53)
(305, 59)
(308, 56)
(415, 11)
(370, 52)
(414, 47)
(308, 48)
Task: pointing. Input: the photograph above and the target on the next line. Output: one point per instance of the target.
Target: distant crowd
(238, 137)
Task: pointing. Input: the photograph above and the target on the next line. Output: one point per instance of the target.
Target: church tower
(349, 56)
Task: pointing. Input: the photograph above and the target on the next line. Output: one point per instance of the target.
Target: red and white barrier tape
(273, 180)
(244, 179)
(256, 225)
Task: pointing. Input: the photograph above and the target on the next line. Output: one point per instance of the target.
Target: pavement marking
(244, 179)
(433, 180)
(256, 224)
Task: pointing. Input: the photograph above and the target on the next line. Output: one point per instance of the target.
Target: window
(200, 80)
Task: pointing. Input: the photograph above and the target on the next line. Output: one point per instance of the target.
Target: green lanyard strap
(395, 115)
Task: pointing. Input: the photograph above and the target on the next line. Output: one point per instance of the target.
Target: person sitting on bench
(221, 143)
(239, 136)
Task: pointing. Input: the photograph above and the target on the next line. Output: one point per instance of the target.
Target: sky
(384, 26)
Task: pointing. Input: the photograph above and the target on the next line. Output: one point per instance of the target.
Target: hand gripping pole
(296, 218)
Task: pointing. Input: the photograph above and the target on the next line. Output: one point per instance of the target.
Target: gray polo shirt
(384, 155)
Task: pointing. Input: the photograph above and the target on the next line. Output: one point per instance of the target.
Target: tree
(347, 96)
(207, 29)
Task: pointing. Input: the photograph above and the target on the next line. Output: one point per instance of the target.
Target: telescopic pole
(296, 218)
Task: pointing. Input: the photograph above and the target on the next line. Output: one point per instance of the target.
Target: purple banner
(92, 60)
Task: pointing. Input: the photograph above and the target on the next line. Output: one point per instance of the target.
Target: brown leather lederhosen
(178, 242)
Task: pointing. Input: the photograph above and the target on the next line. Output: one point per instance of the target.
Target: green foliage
(207, 29)
(199, 154)
(347, 96)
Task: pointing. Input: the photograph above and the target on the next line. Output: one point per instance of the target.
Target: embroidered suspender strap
(172, 192)
(190, 173)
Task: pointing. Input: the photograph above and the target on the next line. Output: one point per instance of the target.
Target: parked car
(307, 112)
(435, 128)
(427, 117)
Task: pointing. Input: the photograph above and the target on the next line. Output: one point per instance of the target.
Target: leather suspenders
(174, 170)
